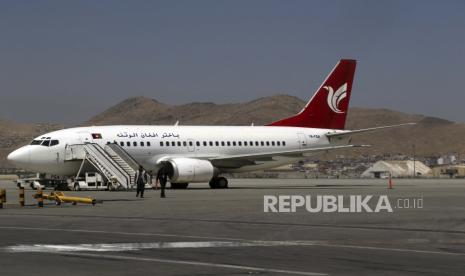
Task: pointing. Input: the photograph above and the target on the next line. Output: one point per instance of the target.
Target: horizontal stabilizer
(347, 133)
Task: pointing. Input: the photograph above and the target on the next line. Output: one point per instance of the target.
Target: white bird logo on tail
(334, 98)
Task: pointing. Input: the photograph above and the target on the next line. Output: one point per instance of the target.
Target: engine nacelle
(185, 170)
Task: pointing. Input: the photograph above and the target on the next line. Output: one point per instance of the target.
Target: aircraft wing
(338, 140)
(236, 161)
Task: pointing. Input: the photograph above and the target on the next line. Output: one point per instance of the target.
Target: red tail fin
(328, 106)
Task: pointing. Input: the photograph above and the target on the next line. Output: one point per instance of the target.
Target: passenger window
(251, 143)
(56, 142)
(217, 143)
(240, 143)
(161, 144)
(210, 143)
(272, 143)
(256, 143)
(197, 144)
(228, 143)
(268, 143)
(141, 144)
(204, 143)
(190, 143)
(262, 143)
(245, 143)
(279, 143)
(234, 143)
(134, 144)
(167, 144)
(128, 144)
(284, 143)
(179, 143)
(148, 144)
(222, 143)
(173, 144)
(121, 144)
(184, 143)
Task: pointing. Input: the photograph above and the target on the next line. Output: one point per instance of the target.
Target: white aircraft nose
(20, 156)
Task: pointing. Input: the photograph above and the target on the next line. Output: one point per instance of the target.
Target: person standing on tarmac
(140, 179)
(162, 177)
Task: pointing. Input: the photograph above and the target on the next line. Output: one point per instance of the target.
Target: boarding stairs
(116, 165)
(124, 160)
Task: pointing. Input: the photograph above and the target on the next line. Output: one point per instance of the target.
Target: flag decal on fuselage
(96, 136)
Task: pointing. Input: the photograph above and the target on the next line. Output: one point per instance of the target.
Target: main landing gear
(179, 185)
(219, 183)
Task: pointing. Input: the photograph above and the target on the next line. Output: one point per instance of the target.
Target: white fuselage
(149, 144)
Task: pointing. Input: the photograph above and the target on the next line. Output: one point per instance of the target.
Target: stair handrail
(124, 155)
(110, 161)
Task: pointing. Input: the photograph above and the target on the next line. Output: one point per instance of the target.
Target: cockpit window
(46, 142)
(36, 142)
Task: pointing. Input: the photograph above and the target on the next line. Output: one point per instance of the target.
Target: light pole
(414, 165)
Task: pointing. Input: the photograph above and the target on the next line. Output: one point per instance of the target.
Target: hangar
(402, 168)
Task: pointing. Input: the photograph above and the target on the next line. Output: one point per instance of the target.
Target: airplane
(194, 154)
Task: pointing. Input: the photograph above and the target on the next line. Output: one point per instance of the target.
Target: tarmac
(200, 231)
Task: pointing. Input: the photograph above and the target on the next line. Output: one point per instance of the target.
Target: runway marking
(406, 250)
(77, 249)
(295, 243)
(195, 263)
(119, 233)
(118, 247)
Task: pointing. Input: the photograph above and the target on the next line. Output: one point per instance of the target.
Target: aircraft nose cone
(19, 156)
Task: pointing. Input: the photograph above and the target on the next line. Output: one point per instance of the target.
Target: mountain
(431, 136)
(141, 110)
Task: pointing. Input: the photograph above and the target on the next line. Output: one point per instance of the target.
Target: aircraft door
(302, 140)
(190, 145)
(85, 137)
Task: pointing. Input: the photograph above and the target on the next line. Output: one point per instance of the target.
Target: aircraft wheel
(219, 183)
(222, 183)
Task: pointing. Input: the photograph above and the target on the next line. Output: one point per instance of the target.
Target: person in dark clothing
(162, 177)
(140, 179)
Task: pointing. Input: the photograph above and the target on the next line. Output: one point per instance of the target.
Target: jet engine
(185, 170)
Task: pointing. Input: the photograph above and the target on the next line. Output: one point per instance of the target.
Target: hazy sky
(64, 61)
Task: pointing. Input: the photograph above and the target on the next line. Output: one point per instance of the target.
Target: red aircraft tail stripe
(329, 105)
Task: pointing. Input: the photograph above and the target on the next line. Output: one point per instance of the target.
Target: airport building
(449, 171)
(404, 168)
